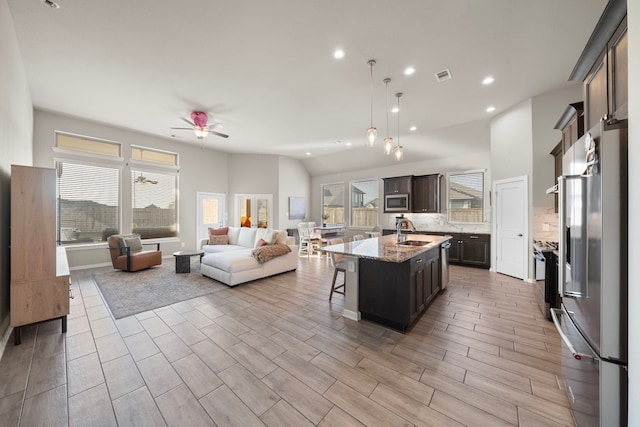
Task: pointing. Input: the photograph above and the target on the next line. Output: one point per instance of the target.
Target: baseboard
(353, 315)
(87, 267)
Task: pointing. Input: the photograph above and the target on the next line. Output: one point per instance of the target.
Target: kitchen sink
(414, 243)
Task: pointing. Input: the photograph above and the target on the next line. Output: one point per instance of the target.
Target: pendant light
(372, 133)
(398, 150)
(388, 141)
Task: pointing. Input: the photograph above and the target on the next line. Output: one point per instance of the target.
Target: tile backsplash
(436, 222)
(545, 224)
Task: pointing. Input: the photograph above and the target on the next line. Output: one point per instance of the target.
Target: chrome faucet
(403, 224)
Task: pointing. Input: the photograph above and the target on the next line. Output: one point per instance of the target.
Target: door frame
(494, 225)
(253, 196)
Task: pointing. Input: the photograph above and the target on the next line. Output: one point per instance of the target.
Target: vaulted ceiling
(266, 71)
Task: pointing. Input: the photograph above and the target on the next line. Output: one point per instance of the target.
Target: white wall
(633, 23)
(16, 127)
(512, 153)
(545, 112)
(293, 180)
(252, 174)
(201, 170)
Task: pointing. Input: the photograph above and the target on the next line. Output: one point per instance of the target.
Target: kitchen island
(391, 282)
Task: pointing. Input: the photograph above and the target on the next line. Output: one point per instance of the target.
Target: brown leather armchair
(123, 258)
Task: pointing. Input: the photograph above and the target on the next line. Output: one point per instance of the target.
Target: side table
(183, 260)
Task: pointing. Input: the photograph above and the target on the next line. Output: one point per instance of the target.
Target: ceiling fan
(200, 126)
(143, 180)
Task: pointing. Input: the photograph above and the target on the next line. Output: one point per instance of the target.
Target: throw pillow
(270, 237)
(219, 240)
(260, 243)
(218, 231)
(134, 243)
(281, 237)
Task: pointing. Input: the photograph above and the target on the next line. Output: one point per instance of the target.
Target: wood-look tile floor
(275, 352)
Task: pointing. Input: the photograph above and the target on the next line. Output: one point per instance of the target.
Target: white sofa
(233, 264)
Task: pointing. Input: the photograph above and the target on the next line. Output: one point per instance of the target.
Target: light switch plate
(351, 267)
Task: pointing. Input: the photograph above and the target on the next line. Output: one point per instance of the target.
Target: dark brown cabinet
(606, 86)
(557, 168)
(619, 73)
(470, 249)
(395, 294)
(397, 185)
(603, 67)
(571, 124)
(426, 193)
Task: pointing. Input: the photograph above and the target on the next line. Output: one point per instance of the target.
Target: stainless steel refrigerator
(593, 275)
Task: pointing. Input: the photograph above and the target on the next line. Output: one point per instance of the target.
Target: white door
(511, 229)
(211, 213)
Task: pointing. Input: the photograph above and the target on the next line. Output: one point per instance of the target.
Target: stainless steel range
(546, 261)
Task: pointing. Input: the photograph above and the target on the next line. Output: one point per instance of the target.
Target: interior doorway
(254, 210)
(511, 230)
(210, 213)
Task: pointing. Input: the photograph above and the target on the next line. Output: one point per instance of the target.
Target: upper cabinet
(571, 124)
(426, 193)
(397, 185)
(603, 67)
(557, 168)
(412, 194)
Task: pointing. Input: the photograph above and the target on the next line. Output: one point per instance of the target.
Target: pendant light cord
(398, 95)
(371, 87)
(386, 82)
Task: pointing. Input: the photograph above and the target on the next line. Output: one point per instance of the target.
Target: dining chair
(308, 243)
(358, 237)
(339, 264)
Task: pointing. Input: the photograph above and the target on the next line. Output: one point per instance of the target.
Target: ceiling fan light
(201, 132)
(372, 134)
(388, 146)
(398, 153)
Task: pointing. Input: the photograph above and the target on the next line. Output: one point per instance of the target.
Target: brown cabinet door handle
(473, 237)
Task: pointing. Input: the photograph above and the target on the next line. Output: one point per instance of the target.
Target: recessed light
(412, 128)
(488, 80)
(395, 109)
(348, 144)
(490, 109)
(338, 53)
(308, 153)
(409, 71)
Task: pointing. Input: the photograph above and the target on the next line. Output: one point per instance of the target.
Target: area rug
(131, 293)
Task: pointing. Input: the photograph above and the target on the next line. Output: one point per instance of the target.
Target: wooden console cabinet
(39, 269)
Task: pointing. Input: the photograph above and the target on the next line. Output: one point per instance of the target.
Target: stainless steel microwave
(396, 203)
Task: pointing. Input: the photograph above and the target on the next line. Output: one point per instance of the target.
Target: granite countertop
(385, 248)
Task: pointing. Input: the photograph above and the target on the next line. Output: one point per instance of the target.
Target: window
(333, 203)
(88, 189)
(466, 197)
(87, 145)
(88, 195)
(154, 201)
(364, 203)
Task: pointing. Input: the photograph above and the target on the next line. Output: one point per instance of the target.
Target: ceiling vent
(443, 75)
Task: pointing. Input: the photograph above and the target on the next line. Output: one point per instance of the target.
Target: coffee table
(183, 260)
